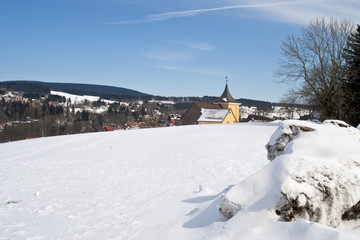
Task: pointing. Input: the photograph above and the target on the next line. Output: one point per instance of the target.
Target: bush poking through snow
(314, 175)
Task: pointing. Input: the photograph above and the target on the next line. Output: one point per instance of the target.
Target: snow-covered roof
(213, 115)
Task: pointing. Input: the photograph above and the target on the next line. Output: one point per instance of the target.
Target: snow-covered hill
(80, 99)
(161, 183)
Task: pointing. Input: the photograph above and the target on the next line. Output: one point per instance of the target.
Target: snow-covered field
(163, 183)
(78, 98)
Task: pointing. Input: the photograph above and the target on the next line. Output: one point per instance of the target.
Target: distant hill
(73, 88)
(26, 87)
(110, 92)
(243, 101)
(256, 103)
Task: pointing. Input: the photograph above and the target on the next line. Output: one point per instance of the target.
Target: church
(224, 110)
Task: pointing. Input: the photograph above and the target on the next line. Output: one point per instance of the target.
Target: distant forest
(43, 88)
(36, 89)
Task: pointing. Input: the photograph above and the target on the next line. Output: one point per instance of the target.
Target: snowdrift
(314, 174)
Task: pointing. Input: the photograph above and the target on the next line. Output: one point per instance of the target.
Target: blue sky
(160, 47)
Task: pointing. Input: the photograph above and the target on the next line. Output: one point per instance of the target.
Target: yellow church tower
(224, 110)
(227, 101)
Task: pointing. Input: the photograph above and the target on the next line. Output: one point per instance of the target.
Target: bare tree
(313, 64)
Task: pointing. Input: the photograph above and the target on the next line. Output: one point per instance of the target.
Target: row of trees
(19, 111)
(322, 66)
(23, 120)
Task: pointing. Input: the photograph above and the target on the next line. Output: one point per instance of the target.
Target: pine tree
(352, 88)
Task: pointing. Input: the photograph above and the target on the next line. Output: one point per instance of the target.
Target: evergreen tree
(111, 109)
(67, 109)
(352, 87)
(59, 110)
(52, 109)
(85, 116)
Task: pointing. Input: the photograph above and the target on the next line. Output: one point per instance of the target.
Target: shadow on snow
(208, 215)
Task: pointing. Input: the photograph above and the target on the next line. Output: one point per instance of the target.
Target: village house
(136, 125)
(191, 116)
(224, 110)
(109, 128)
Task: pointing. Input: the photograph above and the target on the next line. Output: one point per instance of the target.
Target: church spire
(226, 96)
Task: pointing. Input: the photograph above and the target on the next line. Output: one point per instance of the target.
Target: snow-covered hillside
(163, 183)
(81, 98)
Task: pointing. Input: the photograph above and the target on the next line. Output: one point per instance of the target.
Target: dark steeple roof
(226, 96)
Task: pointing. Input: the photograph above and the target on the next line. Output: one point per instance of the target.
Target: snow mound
(314, 174)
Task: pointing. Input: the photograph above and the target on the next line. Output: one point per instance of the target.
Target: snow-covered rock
(338, 123)
(283, 135)
(314, 174)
